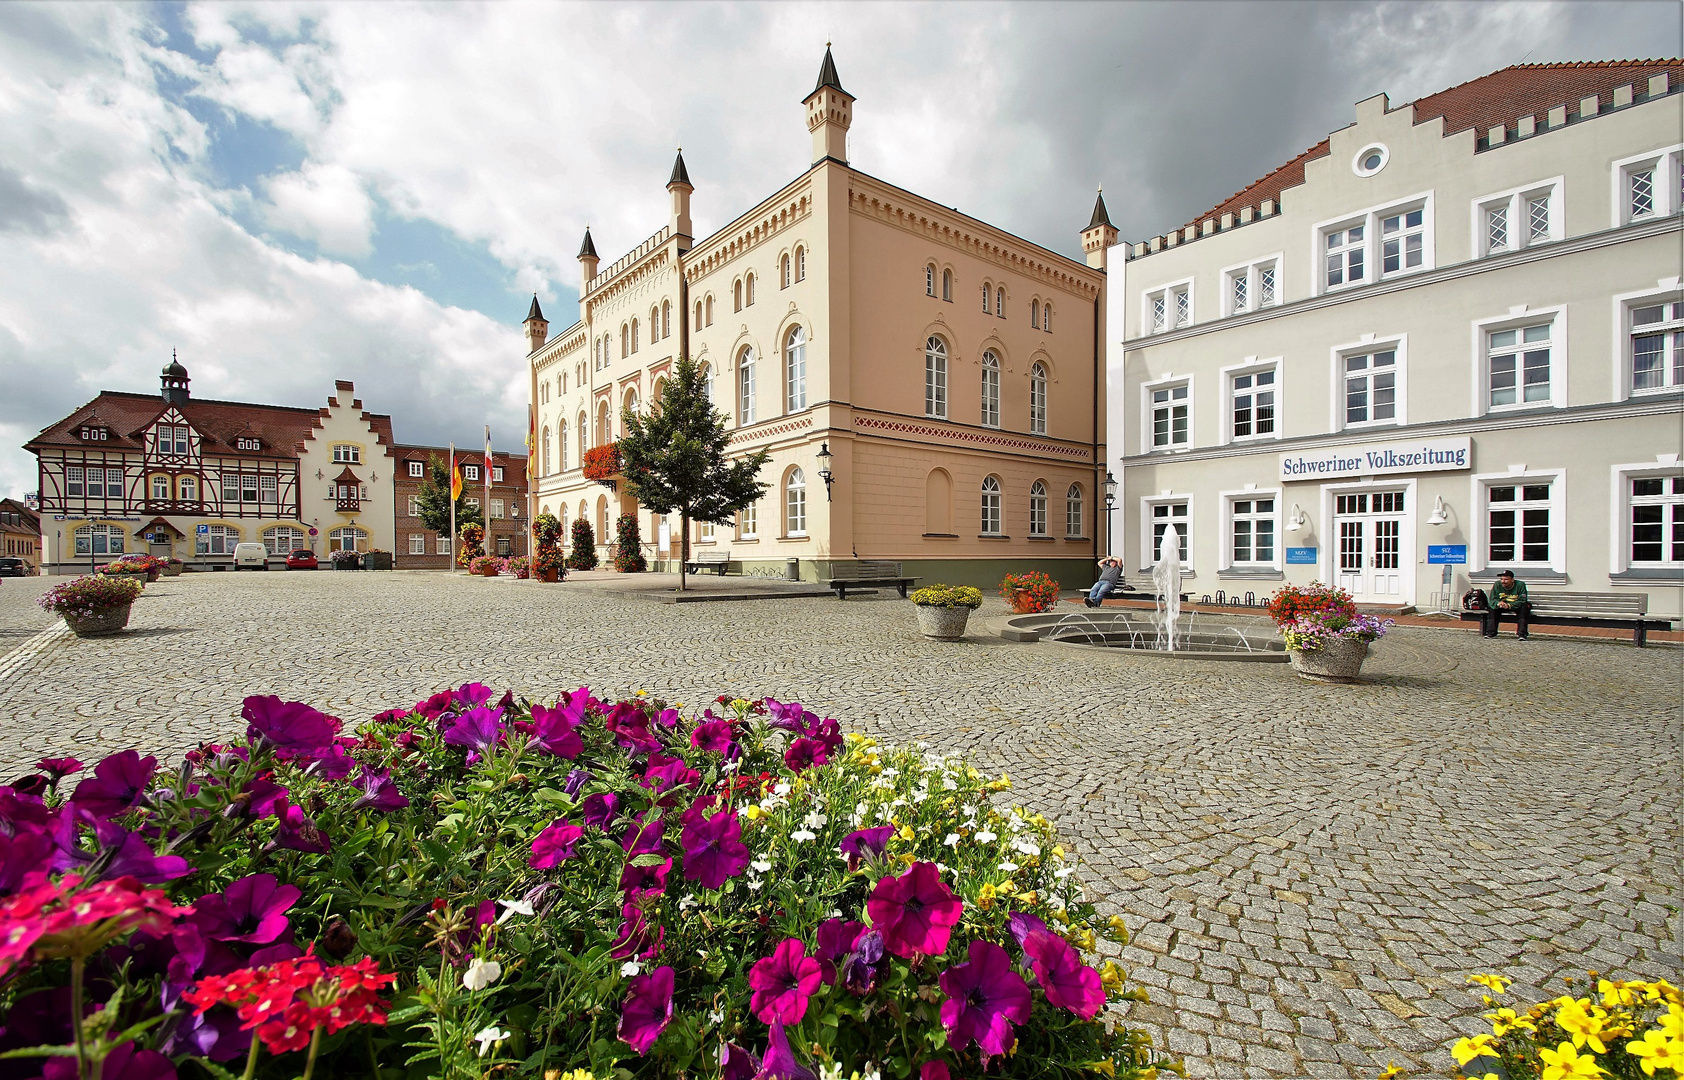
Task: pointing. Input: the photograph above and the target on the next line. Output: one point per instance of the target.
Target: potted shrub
(628, 549)
(345, 560)
(96, 604)
(1029, 593)
(473, 537)
(549, 564)
(1326, 640)
(944, 609)
(377, 559)
(486, 566)
(173, 567)
(521, 567)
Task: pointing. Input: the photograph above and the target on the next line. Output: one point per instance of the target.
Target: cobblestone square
(1309, 871)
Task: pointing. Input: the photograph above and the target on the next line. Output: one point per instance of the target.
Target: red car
(302, 559)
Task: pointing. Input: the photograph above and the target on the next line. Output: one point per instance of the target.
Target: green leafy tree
(673, 458)
(433, 500)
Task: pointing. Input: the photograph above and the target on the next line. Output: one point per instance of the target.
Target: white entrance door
(1369, 527)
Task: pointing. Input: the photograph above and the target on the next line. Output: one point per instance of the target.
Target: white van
(253, 556)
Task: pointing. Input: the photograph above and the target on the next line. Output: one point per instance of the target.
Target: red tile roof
(1500, 98)
(283, 430)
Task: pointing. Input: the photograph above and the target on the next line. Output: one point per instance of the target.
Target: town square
(865, 542)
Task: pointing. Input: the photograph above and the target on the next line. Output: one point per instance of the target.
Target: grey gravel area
(1310, 871)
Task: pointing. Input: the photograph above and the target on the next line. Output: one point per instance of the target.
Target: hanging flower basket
(602, 463)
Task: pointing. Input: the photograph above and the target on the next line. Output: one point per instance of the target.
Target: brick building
(20, 532)
(419, 548)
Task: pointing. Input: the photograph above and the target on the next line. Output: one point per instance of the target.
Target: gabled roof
(281, 428)
(1498, 99)
(827, 75)
(680, 175)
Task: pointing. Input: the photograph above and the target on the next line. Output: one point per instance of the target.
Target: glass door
(1369, 527)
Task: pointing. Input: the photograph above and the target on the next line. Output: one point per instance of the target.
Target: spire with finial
(174, 381)
(536, 327)
(1100, 217)
(830, 113)
(680, 175)
(535, 312)
(1100, 235)
(587, 250)
(827, 73)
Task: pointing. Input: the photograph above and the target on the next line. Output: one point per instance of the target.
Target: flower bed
(1622, 1028)
(480, 886)
(345, 559)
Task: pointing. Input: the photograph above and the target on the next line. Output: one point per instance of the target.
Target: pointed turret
(680, 175)
(587, 263)
(1100, 217)
(680, 186)
(1100, 235)
(587, 250)
(535, 312)
(537, 328)
(830, 112)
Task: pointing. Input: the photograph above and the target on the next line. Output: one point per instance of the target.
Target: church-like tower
(830, 112)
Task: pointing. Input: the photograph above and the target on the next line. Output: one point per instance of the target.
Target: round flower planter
(173, 570)
(151, 576)
(489, 571)
(942, 623)
(1337, 662)
(103, 621)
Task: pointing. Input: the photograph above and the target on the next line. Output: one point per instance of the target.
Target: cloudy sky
(289, 194)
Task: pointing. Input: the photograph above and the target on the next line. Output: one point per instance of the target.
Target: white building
(1452, 329)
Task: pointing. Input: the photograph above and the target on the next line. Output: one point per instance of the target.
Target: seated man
(1507, 595)
(1111, 571)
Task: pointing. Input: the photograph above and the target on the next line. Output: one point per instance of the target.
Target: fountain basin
(1199, 636)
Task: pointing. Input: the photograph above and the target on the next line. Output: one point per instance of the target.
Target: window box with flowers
(95, 605)
(602, 463)
(943, 610)
(521, 567)
(173, 567)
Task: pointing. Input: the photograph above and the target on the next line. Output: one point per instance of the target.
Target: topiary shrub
(583, 556)
(628, 546)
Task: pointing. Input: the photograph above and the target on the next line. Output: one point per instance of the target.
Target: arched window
(584, 440)
(707, 383)
(1073, 511)
(563, 517)
(999, 305)
(800, 264)
(187, 488)
(1046, 317)
(1038, 400)
(935, 378)
(346, 538)
(745, 386)
(748, 290)
(1034, 313)
(561, 383)
(930, 280)
(737, 294)
(561, 447)
(947, 285)
(625, 341)
(545, 466)
(108, 540)
(634, 335)
(698, 319)
(604, 425)
(630, 402)
(795, 503)
(795, 370)
(282, 539)
(710, 309)
(1037, 509)
(990, 506)
(938, 503)
(986, 295)
(654, 325)
(990, 389)
(160, 489)
(584, 514)
(660, 388)
(784, 279)
(601, 519)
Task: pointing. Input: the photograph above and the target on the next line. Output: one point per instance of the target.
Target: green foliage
(948, 596)
(583, 556)
(433, 500)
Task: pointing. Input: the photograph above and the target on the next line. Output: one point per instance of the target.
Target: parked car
(14, 567)
(255, 556)
(302, 559)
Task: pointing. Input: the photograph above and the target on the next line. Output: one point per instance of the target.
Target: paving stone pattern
(1309, 871)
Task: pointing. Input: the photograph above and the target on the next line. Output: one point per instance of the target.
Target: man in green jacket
(1507, 595)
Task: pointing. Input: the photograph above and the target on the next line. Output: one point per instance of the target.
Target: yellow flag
(455, 483)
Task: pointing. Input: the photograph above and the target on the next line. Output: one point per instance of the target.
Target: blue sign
(1300, 556)
(1447, 554)
(203, 529)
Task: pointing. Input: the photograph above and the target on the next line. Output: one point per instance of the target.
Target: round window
(1370, 159)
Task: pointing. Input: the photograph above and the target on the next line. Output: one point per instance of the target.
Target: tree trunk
(683, 546)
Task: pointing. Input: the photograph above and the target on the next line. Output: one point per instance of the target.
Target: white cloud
(325, 204)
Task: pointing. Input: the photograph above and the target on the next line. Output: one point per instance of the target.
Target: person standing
(1111, 571)
(1507, 595)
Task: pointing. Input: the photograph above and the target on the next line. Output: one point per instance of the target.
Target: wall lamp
(824, 468)
(1438, 516)
(1297, 521)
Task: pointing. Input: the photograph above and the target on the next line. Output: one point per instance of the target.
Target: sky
(289, 194)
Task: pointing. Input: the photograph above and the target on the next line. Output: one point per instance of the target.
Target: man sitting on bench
(1507, 595)
(1110, 573)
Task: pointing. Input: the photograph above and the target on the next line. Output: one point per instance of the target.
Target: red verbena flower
(59, 918)
(286, 1002)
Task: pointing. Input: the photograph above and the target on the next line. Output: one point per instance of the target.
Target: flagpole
(485, 504)
(451, 490)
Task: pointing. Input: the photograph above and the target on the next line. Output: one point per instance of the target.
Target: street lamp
(1110, 505)
(824, 468)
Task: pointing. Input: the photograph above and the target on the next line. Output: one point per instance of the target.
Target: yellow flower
(1393, 1071)
(1119, 930)
(1495, 983)
(1085, 940)
(1672, 1022)
(1102, 1066)
(1466, 1050)
(1002, 784)
(1566, 1064)
(985, 898)
(1058, 852)
(1027, 899)
(1007, 888)
(1504, 1021)
(1656, 1051)
(1585, 1027)
(1061, 917)
(907, 834)
(753, 813)
(1111, 976)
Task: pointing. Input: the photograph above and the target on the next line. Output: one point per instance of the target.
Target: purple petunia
(117, 784)
(1022, 924)
(638, 881)
(575, 782)
(714, 850)
(123, 1062)
(21, 855)
(57, 768)
(779, 1062)
(866, 844)
(629, 725)
(783, 983)
(21, 811)
(471, 694)
(1069, 983)
(252, 910)
(915, 912)
(287, 725)
(805, 753)
(864, 966)
(297, 832)
(634, 938)
(934, 1070)
(555, 731)
(985, 997)
(328, 763)
(664, 774)
(735, 1063)
(556, 844)
(647, 1009)
(835, 941)
(476, 730)
(127, 854)
(600, 810)
(717, 737)
(263, 798)
(379, 791)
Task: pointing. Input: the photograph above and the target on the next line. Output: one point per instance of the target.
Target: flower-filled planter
(173, 567)
(521, 567)
(1326, 640)
(588, 888)
(377, 560)
(602, 463)
(1030, 593)
(628, 546)
(583, 555)
(473, 544)
(487, 566)
(150, 565)
(345, 560)
(95, 605)
(548, 564)
(943, 610)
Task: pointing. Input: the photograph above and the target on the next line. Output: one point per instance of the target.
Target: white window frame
(795, 370)
(496, 509)
(442, 546)
(795, 503)
(1252, 271)
(748, 522)
(1251, 365)
(990, 386)
(936, 397)
(1080, 504)
(1667, 162)
(1370, 343)
(497, 470)
(1038, 399)
(470, 472)
(347, 454)
(418, 543)
(1038, 510)
(1370, 218)
(1480, 485)
(1225, 558)
(1147, 556)
(1168, 382)
(1518, 317)
(999, 507)
(1167, 292)
(747, 395)
(1666, 291)
(1620, 562)
(417, 469)
(1518, 201)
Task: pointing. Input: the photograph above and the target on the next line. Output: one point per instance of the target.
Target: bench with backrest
(716, 561)
(1619, 610)
(867, 573)
(1140, 587)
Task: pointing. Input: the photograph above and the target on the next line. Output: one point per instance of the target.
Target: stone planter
(102, 622)
(152, 575)
(1338, 662)
(173, 570)
(941, 623)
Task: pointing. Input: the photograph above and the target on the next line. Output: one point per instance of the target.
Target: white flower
(513, 908)
(481, 973)
(890, 773)
(949, 785)
(754, 886)
(1008, 866)
(883, 813)
(729, 766)
(951, 839)
(871, 1072)
(815, 820)
(1028, 847)
(630, 968)
(687, 902)
(898, 802)
(986, 837)
(717, 1017)
(835, 913)
(1064, 873)
(490, 1037)
(803, 835)
(762, 864)
(780, 788)
(833, 1071)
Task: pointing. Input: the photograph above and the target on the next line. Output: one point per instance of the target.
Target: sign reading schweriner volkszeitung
(1384, 458)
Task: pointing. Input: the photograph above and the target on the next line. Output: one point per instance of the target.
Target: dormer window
(347, 453)
(94, 433)
(470, 472)
(244, 443)
(497, 474)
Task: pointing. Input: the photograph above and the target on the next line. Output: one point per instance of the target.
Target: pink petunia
(647, 1009)
(915, 912)
(783, 983)
(556, 844)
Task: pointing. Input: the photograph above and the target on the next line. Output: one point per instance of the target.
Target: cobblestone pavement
(1310, 871)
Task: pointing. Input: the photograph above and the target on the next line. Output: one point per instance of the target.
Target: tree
(433, 500)
(673, 458)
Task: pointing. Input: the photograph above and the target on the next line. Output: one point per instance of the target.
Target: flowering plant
(86, 596)
(550, 558)
(120, 568)
(473, 539)
(602, 462)
(1314, 630)
(1030, 592)
(344, 557)
(583, 555)
(948, 596)
(150, 563)
(1623, 1028)
(628, 546)
(546, 529)
(520, 566)
(591, 887)
(481, 563)
(1292, 602)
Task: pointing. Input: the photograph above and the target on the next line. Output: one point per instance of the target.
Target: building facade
(20, 533)
(1445, 342)
(188, 478)
(507, 528)
(926, 383)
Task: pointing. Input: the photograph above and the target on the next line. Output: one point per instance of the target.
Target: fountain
(1166, 576)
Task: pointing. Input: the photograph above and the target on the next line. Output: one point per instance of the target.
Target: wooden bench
(1618, 610)
(1140, 587)
(867, 573)
(716, 561)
